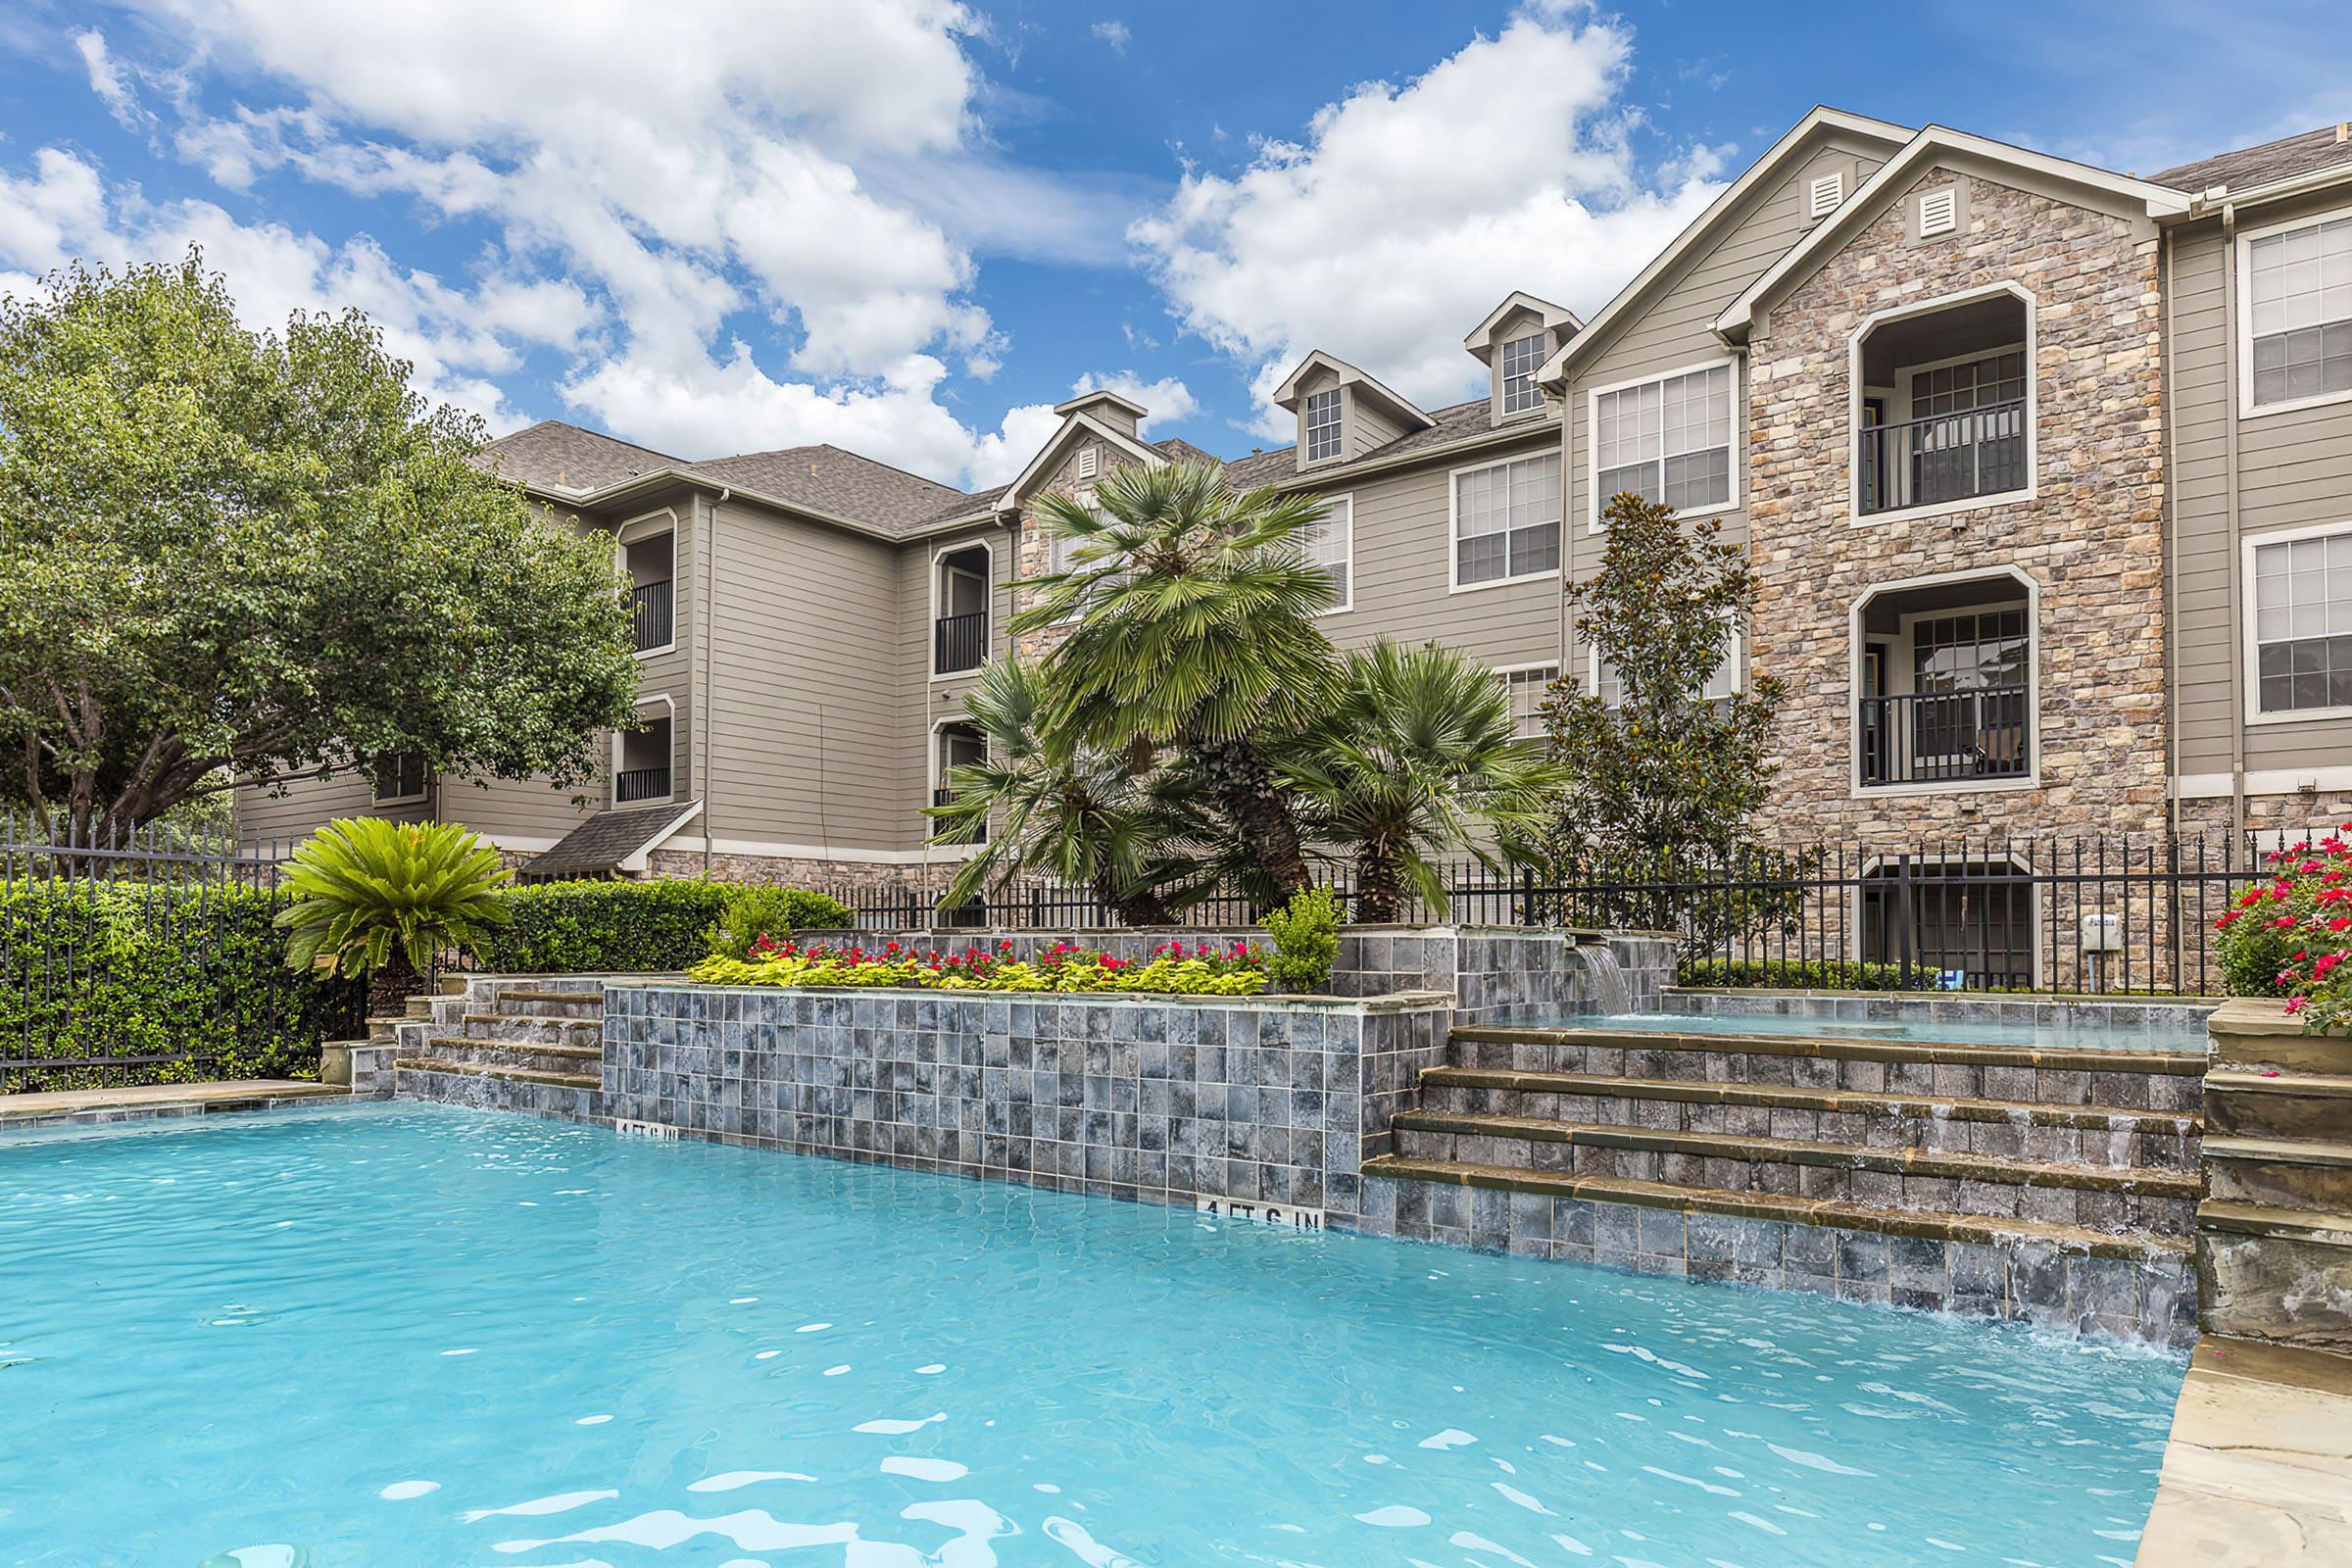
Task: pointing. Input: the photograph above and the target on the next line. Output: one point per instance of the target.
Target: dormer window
(1520, 358)
(1323, 425)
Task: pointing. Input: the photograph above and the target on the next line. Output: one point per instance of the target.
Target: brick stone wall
(2090, 538)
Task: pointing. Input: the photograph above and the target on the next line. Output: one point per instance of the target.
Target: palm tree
(1060, 807)
(1191, 612)
(385, 899)
(1417, 756)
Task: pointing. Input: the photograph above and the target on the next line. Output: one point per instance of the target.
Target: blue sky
(910, 227)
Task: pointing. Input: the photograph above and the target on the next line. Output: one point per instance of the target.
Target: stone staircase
(532, 1043)
(2275, 1231)
(2054, 1187)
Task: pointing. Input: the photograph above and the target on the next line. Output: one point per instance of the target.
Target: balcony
(1944, 403)
(641, 784)
(650, 608)
(1947, 737)
(1943, 458)
(959, 643)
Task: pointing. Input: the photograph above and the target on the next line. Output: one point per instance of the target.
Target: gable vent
(1822, 195)
(1940, 211)
(1087, 461)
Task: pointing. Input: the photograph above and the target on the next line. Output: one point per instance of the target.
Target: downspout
(2168, 526)
(2237, 587)
(701, 729)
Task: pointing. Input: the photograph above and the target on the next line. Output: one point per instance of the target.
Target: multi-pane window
(1975, 385)
(1666, 441)
(1331, 545)
(1506, 520)
(2299, 288)
(1322, 425)
(1968, 652)
(2303, 623)
(399, 777)
(1520, 358)
(1527, 688)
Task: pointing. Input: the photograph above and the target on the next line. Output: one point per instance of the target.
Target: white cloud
(1166, 398)
(1113, 34)
(1406, 213)
(107, 81)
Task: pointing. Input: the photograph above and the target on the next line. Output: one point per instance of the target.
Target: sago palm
(382, 899)
(1054, 805)
(1191, 612)
(1416, 757)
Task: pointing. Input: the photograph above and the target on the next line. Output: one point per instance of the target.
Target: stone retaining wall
(2185, 1015)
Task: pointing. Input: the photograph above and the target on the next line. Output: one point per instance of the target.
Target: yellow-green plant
(1306, 938)
(1063, 969)
(372, 896)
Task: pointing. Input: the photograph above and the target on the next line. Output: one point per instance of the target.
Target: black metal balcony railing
(944, 796)
(1947, 737)
(641, 784)
(651, 603)
(959, 643)
(1944, 457)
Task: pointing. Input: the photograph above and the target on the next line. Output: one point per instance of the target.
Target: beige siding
(262, 817)
(927, 700)
(2294, 469)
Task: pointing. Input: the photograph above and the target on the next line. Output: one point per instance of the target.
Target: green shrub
(1306, 939)
(2256, 956)
(753, 912)
(371, 894)
(1819, 974)
(651, 927)
(137, 971)
(1062, 967)
(2290, 933)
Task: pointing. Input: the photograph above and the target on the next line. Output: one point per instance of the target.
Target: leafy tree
(244, 558)
(385, 899)
(1416, 755)
(1668, 780)
(1062, 806)
(1191, 612)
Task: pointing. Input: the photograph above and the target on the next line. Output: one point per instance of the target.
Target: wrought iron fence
(2106, 915)
(151, 958)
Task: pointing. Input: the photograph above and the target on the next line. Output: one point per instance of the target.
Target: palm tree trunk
(1378, 890)
(1243, 781)
(1137, 907)
(390, 986)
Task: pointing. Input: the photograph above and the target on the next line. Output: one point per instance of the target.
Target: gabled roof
(1402, 407)
(2251, 166)
(556, 456)
(1480, 340)
(618, 840)
(1895, 174)
(1456, 424)
(829, 479)
(1775, 158)
(1073, 424)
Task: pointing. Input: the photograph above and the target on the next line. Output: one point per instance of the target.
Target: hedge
(1814, 975)
(656, 926)
(148, 972)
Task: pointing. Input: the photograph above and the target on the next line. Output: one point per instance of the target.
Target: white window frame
(1504, 672)
(2242, 259)
(1453, 523)
(2250, 650)
(612, 798)
(937, 771)
(1738, 444)
(1857, 646)
(1855, 392)
(1347, 499)
(1337, 426)
(666, 521)
(1535, 393)
(1736, 658)
(425, 786)
(988, 596)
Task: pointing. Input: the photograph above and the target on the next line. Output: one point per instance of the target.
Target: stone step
(2271, 1273)
(521, 1075)
(2124, 1080)
(2278, 1104)
(1948, 1227)
(1947, 1124)
(526, 1056)
(540, 1002)
(2089, 1195)
(531, 1027)
(2282, 1173)
(420, 1006)
(567, 1097)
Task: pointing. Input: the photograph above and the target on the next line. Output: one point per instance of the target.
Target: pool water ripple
(1021, 1378)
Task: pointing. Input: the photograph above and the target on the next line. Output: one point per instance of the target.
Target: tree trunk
(1378, 890)
(1243, 781)
(1138, 906)
(390, 986)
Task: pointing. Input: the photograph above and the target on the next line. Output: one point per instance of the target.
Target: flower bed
(2291, 936)
(1235, 969)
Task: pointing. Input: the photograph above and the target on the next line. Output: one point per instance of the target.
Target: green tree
(1416, 755)
(1190, 626)
(1061, 807)
(385, 899)
(245, 558)
(1668, 780)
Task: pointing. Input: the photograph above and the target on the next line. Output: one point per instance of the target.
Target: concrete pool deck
(143, 1102)
(2258, 1471)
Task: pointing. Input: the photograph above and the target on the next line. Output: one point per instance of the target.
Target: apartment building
(2046, 470)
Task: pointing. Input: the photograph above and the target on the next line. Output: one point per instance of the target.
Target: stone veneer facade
(2091, 537)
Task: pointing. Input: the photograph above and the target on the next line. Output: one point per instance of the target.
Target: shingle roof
(2249, 167)
(1457, 422)
(599, 845)
(564, 456)
(830, 479)
(1178, 450)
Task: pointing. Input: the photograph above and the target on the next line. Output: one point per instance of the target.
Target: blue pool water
(415, 1336)
(2037, 1036)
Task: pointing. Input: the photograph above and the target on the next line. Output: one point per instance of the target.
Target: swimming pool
(425, 1337)
(1958, 1032)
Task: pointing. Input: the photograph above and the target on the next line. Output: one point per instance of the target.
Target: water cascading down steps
(533, 1044)
(1988, 1168)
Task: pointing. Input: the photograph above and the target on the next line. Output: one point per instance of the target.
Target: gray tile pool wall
(2186, 1014)
(549, 1102)
(1161, 1098)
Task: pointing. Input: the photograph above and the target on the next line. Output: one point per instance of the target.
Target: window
(1975, 385)
(1940, 211)
(1331, 545)
(1506, 520)
(1822, 195)
(1666, 441)
(1520, 358)
(1088, 461)
(1528, 688)
(1322, 425)
(2299, 301)
(399, 777)
(1725, 682)
(1975, 651)
(2303, 624)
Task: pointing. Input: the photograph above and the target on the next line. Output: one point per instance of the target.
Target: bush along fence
(2101, 915)
(152, 960)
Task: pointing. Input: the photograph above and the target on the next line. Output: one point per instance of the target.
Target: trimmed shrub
(652, 927)
(146, 970)
(1306, 939)
(1819, 974)
(775, 913)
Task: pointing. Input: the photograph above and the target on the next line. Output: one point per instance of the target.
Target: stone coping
(1945, 1053)
(1392, 1001)
(2021, 998)
(2257, 1472)
(139, 1102)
